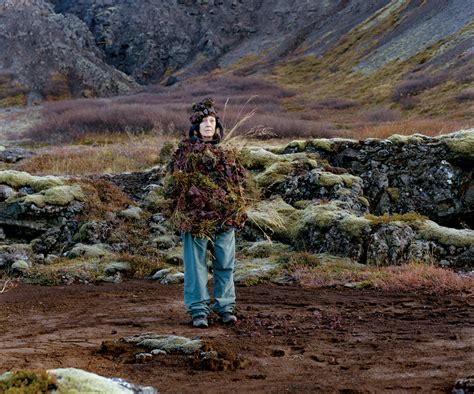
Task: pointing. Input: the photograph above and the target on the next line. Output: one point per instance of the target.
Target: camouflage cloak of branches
(207, 187)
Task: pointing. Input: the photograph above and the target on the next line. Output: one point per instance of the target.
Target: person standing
(207, 186)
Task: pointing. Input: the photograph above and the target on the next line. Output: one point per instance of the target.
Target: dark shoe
(200, 321)
(228, 318)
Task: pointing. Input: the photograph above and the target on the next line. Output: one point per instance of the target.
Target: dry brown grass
(428, 127)
(420, 277)
(413, 277)
(102, 197)
(117, 155)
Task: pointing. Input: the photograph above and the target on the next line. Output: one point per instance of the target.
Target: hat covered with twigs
(203, 109)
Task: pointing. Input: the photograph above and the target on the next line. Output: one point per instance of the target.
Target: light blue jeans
(196, 295)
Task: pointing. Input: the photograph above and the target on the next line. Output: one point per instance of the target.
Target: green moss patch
(446, 236)
(58, 195)
(461, 143)
(18, 179)
(253, 271)
(27, 382)
(410, 217)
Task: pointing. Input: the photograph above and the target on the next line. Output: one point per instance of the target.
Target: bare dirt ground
(290, 339)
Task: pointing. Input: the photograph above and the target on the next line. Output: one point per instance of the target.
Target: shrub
(415, 84)
(66, 122)
(337, 103)
(380, 115)
(164, 110)
(465, 95)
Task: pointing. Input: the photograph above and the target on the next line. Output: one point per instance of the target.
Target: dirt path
(293, 340)
(14, 121)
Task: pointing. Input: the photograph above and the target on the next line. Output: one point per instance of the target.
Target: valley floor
(290, 339)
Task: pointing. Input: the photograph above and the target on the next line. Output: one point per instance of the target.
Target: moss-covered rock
(56, 195)
(407, 139)
(257, 157)
(317, 144)
(90, 251)
(446, 236)
(173, 256)
(65, 380)
(264, 249)
(168, 343)
(132, 213)
(275, 173)
(117, 266)
(19, 179)
(461, 143)
(20, 265)
(252, 271)
(72, 380)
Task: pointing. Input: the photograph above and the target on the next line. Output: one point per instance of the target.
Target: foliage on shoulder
(207, 185)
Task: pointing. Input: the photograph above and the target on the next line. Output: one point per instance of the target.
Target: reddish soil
(287, 338)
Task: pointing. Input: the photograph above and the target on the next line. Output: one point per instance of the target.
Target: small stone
(6, 192)
(39, 258)
(20, 265)
(143, 357)
(116, 266)
(50, 259)
(164, 242)
(157, 352)
(133, 213)
(96, 250)
(168, 276)
(444, 263)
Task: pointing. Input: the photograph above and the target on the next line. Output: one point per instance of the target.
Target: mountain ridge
(110, 47)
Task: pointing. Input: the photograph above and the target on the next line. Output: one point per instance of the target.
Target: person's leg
(196, 295)
(223, 268)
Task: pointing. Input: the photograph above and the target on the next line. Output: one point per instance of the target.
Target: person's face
(207, 128)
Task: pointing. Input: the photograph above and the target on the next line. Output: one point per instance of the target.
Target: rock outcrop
(46, 55)
(373, 202)
(431, 176)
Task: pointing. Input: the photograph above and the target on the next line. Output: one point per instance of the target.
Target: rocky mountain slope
(83, 47)
(45, 55)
